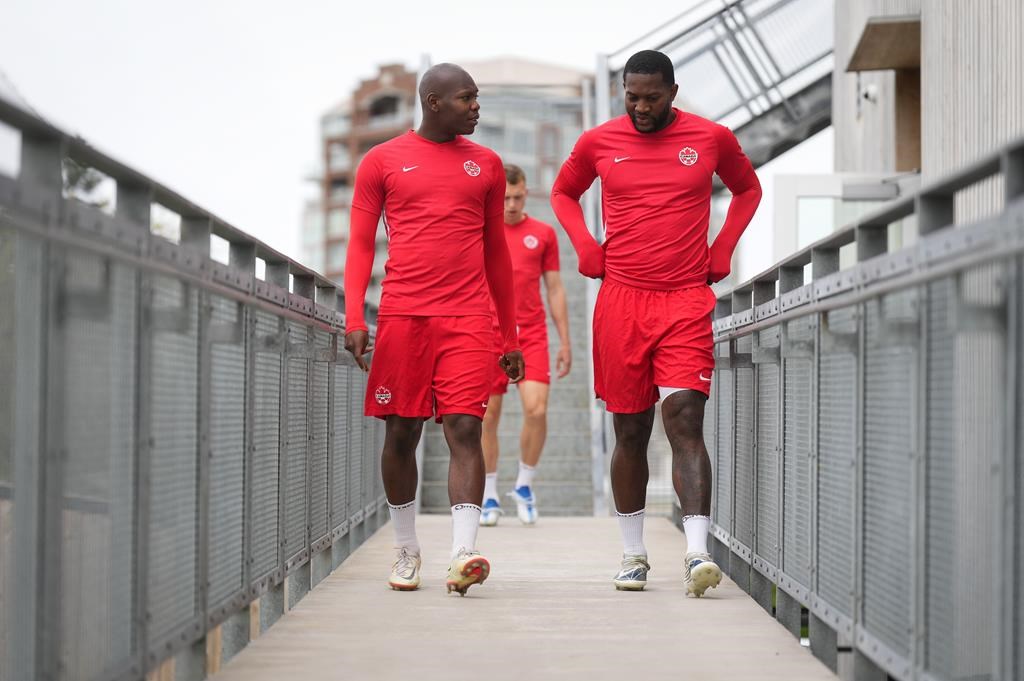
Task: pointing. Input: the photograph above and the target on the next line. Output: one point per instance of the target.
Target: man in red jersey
(652, 321)
(534, 249)
(441, 198)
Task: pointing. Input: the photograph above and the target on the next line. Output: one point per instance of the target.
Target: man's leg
(683, 415)
(489, 441)
(465, 492)
(629, 488)
(534, 396)
(399, 474)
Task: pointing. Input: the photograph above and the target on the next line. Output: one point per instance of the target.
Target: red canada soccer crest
(472, 169)
(688, 156)
(382, 395)
(530, 241)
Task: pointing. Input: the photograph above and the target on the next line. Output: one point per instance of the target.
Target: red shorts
(533, 340)
(645, 339)
(430, 366)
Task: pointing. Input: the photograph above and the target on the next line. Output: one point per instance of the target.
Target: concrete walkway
(548, 611)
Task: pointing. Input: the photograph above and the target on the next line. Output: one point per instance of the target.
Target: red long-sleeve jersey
(656, 200)
(443, 208)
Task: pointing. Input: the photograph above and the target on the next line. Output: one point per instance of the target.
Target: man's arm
(574, 178)
(498, 266)
(560, 315)
(358, 267)
(738, 175)
(367, 204)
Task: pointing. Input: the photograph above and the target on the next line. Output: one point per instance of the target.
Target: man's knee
(535, 410)
(683, 413)
(633, 431)
(463, 429)
(403, 434)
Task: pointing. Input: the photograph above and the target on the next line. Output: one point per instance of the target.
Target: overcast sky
(221, 99)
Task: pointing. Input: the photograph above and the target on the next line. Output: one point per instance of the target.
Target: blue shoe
(632, 574)
(490, 513)
(526, 507)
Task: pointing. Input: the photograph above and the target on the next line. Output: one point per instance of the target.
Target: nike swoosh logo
(706, 380)
(484, 405)
(405, 170)
(620, 159)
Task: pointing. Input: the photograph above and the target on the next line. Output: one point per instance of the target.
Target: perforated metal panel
(227, 451)
(767, 515)
(319, 436)
(266, 444)
(723, 477)
(837, 418)
(743, 523)
(98, 409)
(339, 446)
(889, 421)
(296, 447)
(174, 459)
(796, 505)
(22, 353)
(357, 389)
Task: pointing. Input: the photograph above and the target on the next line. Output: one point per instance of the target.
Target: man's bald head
(443, 80)
(448, 96)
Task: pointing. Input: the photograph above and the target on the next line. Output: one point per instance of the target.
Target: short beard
(659, 122)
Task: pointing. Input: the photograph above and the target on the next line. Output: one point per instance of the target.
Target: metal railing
(182, 446)
(865, 434)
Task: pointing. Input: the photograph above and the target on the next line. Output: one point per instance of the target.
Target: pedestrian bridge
(187, 485)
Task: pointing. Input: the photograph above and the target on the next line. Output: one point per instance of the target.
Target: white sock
(465, 523)
(696, 528)
(526, 473)
(491, 486)
(404, 520)
(632, 527)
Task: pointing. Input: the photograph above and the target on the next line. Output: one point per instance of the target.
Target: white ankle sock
(465, 523)
(632, 527)
(491, 486)
(525, 475)
(404, 520)
(696, 529)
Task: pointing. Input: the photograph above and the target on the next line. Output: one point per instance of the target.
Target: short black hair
(514, 174)
(651, 61)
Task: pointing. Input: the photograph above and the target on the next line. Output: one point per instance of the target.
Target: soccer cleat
(405, 573)
(700, 573)
(467, 568)
(526, 507)
(632, 574)
(490, 513)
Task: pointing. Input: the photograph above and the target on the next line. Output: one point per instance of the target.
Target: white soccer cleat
(405, 573)
(526, 504)
(490, 513)
(700, 573)
(632, 574)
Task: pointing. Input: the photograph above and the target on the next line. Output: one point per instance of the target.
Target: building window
(339, 159)
(335, 258)
(522, 141)
(384, 106)
(337, 222)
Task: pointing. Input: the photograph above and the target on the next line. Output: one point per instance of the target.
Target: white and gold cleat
(467, 568)
(405, 573)
(700, 573)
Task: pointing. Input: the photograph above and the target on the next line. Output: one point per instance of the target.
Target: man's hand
(719, 267)
(358, 343)
(591, 261)
(564, 361)
(513, 365)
